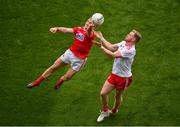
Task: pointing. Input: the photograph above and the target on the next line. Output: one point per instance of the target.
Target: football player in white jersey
(121, 76)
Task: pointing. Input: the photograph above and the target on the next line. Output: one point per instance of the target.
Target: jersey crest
(80, 37)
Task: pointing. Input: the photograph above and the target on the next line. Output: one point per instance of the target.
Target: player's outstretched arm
(108, 45)
(61, 29)
(105, 43)
(114, 54)
(96, 43)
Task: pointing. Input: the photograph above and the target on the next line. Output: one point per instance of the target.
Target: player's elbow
(64, 31)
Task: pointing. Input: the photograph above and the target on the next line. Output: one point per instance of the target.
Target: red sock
(59, 82)
(105, 108)
(38, 81)
(114, 110)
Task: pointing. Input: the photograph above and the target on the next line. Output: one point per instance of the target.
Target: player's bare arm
(96, 43)
(110, 53)
(108, 45)
(61, 29)
(105, 43)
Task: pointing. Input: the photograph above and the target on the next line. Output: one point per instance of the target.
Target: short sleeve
(75, 30)
(118, 44)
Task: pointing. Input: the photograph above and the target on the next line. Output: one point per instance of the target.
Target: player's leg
(76, 65)
(118, 101)
(57, 64)
(106, 89)
(122, 84)
(67, 76)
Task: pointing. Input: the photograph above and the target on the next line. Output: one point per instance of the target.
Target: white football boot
(103, 115)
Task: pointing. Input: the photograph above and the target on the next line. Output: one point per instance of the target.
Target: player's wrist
(57, 30)
(102, 47)
(102, 39)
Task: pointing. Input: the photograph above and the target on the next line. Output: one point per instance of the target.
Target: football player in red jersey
(75, 56)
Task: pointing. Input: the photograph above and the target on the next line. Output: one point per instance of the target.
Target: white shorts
(69, 58)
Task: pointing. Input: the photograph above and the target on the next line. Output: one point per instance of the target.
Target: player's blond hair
(137, 35)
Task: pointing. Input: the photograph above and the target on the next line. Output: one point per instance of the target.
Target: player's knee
(102, 93)
(67, 77)
(53, 67)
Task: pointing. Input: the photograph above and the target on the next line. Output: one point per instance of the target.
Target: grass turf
(27, 49)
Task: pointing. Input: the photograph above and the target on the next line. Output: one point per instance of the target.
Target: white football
(98, 19)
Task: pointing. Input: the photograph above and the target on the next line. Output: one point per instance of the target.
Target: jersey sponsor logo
(121, 46)
(80, 37)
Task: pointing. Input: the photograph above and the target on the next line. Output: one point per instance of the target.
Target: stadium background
(27, 49)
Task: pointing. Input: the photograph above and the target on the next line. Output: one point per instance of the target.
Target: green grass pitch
(27, 48)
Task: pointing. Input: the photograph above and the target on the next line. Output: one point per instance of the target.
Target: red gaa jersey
(82, 42)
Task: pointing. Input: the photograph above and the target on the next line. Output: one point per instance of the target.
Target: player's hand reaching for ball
(53, 30)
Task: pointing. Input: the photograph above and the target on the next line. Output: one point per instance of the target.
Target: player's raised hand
(53, 30)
